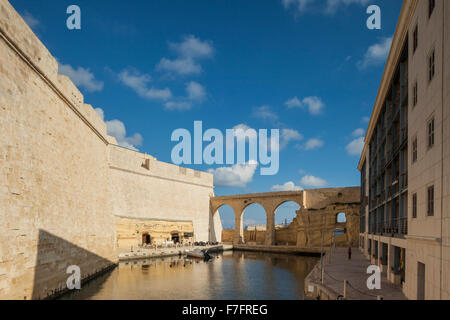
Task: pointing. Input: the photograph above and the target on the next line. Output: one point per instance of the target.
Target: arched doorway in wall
(146, 238)
(285, 234)
(341, 217)
(254, 220)
(227, 221)
(175, 237)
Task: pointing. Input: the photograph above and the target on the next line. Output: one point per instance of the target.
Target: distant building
(405, 164)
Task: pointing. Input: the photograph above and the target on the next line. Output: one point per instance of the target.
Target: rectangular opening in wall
(420, 281)
(430, 201)
(414, 205)
(430, 131)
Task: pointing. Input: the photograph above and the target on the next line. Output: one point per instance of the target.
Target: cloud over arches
(238, 175)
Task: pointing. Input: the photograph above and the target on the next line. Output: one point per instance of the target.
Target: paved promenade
(338, 268)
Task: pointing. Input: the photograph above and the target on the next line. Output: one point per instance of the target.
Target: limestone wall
(54, 208)
(160, 190)
(131, 233)
(62, 181)
(227, 235)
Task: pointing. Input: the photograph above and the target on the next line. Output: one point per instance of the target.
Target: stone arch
(341, 217)
(223, 230)
(256, 235)
(250, 203)
(285, 220)
(279, 204)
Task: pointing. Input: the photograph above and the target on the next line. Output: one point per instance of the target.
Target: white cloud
(81, 77)
(355, 147)
(264, 112)
(239, 175)
(288, 186)
(139, 83)
(178, 105)
(30, 20)
(193, 47)
(288, 135)
(292, 103)
(314, 143)
(242, 133)
(188, 51)
(333, 5)
(358, 132)
(182, 66)
(365, 119)
(376, 54)
(314, 104)
(116, 129)
(195, 91)
(314, 182)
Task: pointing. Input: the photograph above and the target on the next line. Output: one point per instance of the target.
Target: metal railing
(404, 180)
(394, 226)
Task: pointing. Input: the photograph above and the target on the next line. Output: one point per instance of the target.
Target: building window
(431, 133)
(430, 201)
(414, 150)
(415, 38)
(431, 68)
(415, 94)
(431, 5)
(414, 205)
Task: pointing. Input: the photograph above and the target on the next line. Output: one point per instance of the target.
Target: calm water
(231, 275)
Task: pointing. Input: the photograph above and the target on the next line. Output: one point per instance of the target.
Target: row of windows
(431, 73)
(431, 6)
(430, 203)
(431, 58)
(430, 140)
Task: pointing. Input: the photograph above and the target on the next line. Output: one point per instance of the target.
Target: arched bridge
(315, 206)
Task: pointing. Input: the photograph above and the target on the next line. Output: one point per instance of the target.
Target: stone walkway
(338, 268)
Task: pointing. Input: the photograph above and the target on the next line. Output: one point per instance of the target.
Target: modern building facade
(405, 163)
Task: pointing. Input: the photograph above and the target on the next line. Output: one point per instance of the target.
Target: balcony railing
(397, 226)
(404, 180)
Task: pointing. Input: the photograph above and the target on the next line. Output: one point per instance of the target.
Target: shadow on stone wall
(54, 256)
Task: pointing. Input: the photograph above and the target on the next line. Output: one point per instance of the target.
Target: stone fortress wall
(63, 182)
(144, 188)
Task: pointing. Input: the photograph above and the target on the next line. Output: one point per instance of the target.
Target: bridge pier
(270, 227)
(238, 227)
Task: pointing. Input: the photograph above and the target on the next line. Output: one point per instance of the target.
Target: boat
(196, 253)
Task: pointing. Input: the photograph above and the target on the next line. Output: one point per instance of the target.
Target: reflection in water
(231, 275)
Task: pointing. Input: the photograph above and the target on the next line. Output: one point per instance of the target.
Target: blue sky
(310, 68)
